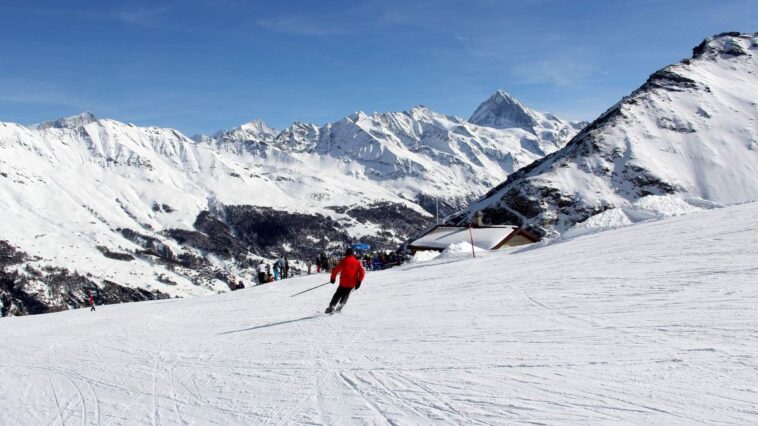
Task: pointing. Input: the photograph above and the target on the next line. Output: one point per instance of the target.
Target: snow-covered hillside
(690, 131)
(661, 330)
(113, 204)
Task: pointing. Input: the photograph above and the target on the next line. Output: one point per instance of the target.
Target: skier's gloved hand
(357, 285)
(332, 280)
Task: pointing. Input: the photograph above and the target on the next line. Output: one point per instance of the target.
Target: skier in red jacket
(352, 274)
(91, 301)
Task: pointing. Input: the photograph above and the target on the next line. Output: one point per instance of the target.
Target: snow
(646, 208)
(423, 256)
(67, 186)
(462, 249)
(652, 323)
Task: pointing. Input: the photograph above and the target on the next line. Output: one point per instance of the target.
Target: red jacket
(352, 272)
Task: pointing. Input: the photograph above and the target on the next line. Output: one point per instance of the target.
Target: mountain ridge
(152, 209)
(673, 136)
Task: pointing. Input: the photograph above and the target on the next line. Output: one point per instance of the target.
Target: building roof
(440, 237)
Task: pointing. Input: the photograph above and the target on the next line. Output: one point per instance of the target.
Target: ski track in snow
(654, 323)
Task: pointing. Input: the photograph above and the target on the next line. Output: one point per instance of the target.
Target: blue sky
(199, 66)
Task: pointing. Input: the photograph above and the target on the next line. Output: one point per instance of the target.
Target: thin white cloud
(545, 58)
(354, 18)
(300, 25)
(142, 16)
(22, 91)
(558, 71)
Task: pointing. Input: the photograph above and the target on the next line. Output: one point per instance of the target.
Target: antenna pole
(471, 236)
(438, 209)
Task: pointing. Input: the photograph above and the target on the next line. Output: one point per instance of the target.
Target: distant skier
(286, 267)
(351, 274)
(91, 301)
(262, 274)
(276, 271)
(308, 263)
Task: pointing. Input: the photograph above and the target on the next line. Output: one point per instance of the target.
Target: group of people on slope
(322, 262)
(380, 260)
(350, 269)
(280, 268)
(371, 260)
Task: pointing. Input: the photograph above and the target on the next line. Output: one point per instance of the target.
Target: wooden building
(486, 237)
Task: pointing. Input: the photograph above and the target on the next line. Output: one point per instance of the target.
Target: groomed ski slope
(654, 323)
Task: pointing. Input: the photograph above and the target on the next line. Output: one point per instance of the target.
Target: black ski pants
(340, 296)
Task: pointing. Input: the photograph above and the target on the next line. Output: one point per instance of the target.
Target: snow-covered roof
(441, 237)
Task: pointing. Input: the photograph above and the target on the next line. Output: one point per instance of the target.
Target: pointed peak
(503, 111)
(252, 130)
(71, 122)
(502, 94)
(357, 115)
(421, 112)
(258, 126)
(503, 97)
(419, 109)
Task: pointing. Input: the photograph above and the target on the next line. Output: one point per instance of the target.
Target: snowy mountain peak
(685, 138)
(357, 116)
(258, 127)
(71, 122)
(420, 112)
(503, 111)
(501, 96)
(246, 137)
(730, 44)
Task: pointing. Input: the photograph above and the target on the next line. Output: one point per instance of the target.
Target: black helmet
(349, 251)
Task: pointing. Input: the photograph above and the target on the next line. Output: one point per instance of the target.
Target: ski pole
(312, 288)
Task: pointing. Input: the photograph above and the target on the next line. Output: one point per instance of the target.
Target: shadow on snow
(269, 325)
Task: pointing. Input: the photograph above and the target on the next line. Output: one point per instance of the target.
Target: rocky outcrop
(27, 289)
